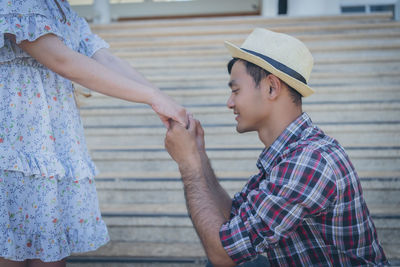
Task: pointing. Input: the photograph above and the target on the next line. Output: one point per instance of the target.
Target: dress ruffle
(66, 242)
(43, 165)
(90, 42)
(48, 219)
(24, 27)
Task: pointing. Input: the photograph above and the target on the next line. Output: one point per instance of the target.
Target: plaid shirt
(305, 206)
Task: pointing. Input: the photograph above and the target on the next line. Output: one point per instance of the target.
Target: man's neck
(276, 125)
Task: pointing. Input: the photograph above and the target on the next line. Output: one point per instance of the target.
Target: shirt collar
(291, 134)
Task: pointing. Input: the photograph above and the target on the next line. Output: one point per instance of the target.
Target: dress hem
(74, 251)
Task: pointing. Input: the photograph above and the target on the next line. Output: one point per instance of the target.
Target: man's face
(246, 100)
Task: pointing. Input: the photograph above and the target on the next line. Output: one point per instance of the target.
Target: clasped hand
(185, 145)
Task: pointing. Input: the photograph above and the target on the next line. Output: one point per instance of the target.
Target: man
(305, 206)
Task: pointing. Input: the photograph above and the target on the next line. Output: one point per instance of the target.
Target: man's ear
(275, 86)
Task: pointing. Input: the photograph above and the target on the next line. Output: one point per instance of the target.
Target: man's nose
(230, 104)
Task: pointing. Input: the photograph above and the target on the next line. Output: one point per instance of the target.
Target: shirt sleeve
(299, 186)
(240, 197)
(89, 42)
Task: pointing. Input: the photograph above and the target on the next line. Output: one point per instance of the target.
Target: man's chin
(241, 129)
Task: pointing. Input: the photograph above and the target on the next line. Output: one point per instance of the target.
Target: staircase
(357, 79)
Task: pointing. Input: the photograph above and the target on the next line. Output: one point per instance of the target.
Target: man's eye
(235, 91)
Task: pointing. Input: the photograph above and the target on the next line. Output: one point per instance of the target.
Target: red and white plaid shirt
(304, 208)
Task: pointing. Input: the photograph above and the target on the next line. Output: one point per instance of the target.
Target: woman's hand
(166, 108)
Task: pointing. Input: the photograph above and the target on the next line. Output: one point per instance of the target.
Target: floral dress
(48, 201)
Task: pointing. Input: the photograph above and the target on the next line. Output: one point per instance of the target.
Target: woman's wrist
(154, 94)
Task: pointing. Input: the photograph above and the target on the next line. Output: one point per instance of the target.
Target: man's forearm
(221, 197)
(198, 180)
(206, 215)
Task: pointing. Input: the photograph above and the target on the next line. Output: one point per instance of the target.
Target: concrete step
(162, 233)
(378, 134)
(219, 99)
(151, 191)
(154, 175)
(220, 94)
(150, 250)
(197, 98)
(175, 214)
(219, 68)
(177, 228)
(123, 261)
(320, 113)
(195, 41)
(243, 28)
(317, 79)
(174, 83)
(211, 57)
(220, 60)
(327, 47)
(216, 64)
(389, 42)
(104, 138)
(214, 130)
(131, 230)
(219, 73)
(232, 159)
(235, 20)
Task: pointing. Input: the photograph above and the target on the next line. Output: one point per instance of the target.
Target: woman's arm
(51, 52)
(107, 59)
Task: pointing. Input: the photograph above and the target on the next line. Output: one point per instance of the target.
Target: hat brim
(236, 52)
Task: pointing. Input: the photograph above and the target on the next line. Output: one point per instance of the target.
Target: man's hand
(182, 144)
(200, 137)
(166, 108)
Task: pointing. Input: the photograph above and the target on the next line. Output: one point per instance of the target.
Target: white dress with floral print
(48, 201)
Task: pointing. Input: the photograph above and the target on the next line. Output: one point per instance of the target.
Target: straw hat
(282, 55)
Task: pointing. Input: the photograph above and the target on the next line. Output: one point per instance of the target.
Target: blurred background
(178, 46)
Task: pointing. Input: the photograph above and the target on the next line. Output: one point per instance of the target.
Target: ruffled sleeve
(24, 26)
(89, 42)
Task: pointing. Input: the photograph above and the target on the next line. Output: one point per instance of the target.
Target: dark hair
(259, 73)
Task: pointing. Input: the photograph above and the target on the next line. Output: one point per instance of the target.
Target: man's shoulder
(315, 143)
